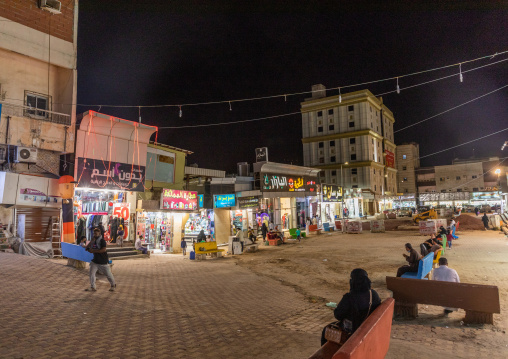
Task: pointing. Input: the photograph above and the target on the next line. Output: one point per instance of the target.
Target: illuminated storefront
(331, 203)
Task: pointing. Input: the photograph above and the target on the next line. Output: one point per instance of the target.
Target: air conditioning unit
(53, 6)
(25, 154)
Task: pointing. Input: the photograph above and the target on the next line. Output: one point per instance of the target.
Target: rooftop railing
(10, 109)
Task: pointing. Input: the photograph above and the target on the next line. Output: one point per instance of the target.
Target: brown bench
(371, 340)
(314, 228)
(479, 301)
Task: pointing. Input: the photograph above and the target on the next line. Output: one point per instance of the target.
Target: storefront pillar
(222, 225)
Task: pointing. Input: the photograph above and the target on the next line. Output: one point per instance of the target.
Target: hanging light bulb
(340, 96)
(230, 108)
(398, 88)
(180, 113)
(460, 73)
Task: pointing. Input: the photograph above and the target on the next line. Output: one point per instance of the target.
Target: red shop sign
(179, 200)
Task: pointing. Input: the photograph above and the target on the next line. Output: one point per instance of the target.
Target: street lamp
(343, 192)
(498, 173)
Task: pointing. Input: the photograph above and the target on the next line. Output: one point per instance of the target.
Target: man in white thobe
(445, 274)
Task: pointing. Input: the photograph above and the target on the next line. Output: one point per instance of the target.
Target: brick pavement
(164, 307)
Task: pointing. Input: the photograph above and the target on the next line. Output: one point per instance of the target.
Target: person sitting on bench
(413, 260)
(435, 248)
(251, 235)
(356, 305)
(443, 273)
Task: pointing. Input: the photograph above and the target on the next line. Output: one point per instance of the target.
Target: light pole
(343, 193)
(498, 173)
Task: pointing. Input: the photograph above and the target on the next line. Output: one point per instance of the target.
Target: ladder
(55, 236)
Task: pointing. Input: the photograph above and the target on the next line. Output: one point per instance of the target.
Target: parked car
(405, 212)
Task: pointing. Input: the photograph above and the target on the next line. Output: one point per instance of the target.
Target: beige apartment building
(350, 138)
(38, 51)
(408, 160)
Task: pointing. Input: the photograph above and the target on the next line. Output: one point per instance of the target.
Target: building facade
(350, 138)
(38, 52)
(408, 161)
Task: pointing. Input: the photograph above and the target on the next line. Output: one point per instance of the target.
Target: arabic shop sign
(179, 200)
(485, 196)
(332, 193)
(110, 175)
(224, 200)
(248, 202)
(284, 183)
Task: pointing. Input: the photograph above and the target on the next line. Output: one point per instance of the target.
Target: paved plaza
(170, 307)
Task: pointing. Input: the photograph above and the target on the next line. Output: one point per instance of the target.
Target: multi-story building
(350, 137)
(38, 51)
(408, 160)
(471, 181)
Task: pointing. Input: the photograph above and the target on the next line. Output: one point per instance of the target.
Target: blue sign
(224, 200)
(200, 201)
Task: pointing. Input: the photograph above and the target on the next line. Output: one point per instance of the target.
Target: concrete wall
(459, 176)
(222, 225)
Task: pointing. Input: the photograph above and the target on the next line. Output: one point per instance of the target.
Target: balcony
(9, 109)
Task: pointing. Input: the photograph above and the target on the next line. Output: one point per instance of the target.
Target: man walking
(445, 274)
(100, 261)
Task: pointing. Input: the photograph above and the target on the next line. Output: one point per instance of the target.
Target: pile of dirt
(469, 223)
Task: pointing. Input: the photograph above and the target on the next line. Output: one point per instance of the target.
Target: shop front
(487, 201)
(162, 224)
(396, 202)
(331, 203)
(353, 202)
(291, 192)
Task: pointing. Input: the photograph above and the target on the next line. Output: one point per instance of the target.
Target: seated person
(251, 235)
(138, 245)
(442, 231)
(356, 305)
(413, 260)
(201, 236)
(435, 248)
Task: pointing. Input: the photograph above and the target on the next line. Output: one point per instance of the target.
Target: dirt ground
(319, 268)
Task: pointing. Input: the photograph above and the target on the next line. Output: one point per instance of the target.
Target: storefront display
(198, 222)
(156, 229)
(100, 209)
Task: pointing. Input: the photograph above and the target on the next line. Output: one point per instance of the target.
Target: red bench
(371, 340)
(314, 228)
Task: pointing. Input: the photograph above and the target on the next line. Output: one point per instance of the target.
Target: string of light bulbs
(339, 88)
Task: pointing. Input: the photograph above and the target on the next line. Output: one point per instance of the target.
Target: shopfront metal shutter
(37, 221)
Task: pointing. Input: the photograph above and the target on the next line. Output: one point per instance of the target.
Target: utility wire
(464, 143)
(450, 109)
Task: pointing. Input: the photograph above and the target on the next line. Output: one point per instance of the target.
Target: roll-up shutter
(37, 221)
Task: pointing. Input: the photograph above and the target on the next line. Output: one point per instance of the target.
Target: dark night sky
(150, 53)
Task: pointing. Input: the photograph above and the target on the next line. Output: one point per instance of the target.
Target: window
(370, 108)
(354, 186)
(353, 149)
(457, 178)
(353, 157)
(442, 179)
(332, 159)
(320, 129)
(404, 168)
(407, 190)
(405, 178)
(321, 144)
(373, 157)
(459, 190)
(331, 127)
(375, 188)
(372, 141)
(374, 171)
(332, 143)
(354, 179)
(475, 189)
(351, 124)
(371, 125)
(36, 102)
(330, 120)
(352, 141)
(474, 176)
(350, 108)
(403, 157)
(321, 160)
(354, 171)
(320, 114)
(330, 111)
(443, 190)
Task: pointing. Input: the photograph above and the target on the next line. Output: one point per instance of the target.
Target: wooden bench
(371, 340)
(204, 248)
(424, 268)
(479, 301)
(314, 228)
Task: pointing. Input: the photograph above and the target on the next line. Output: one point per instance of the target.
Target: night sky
(154, 53)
